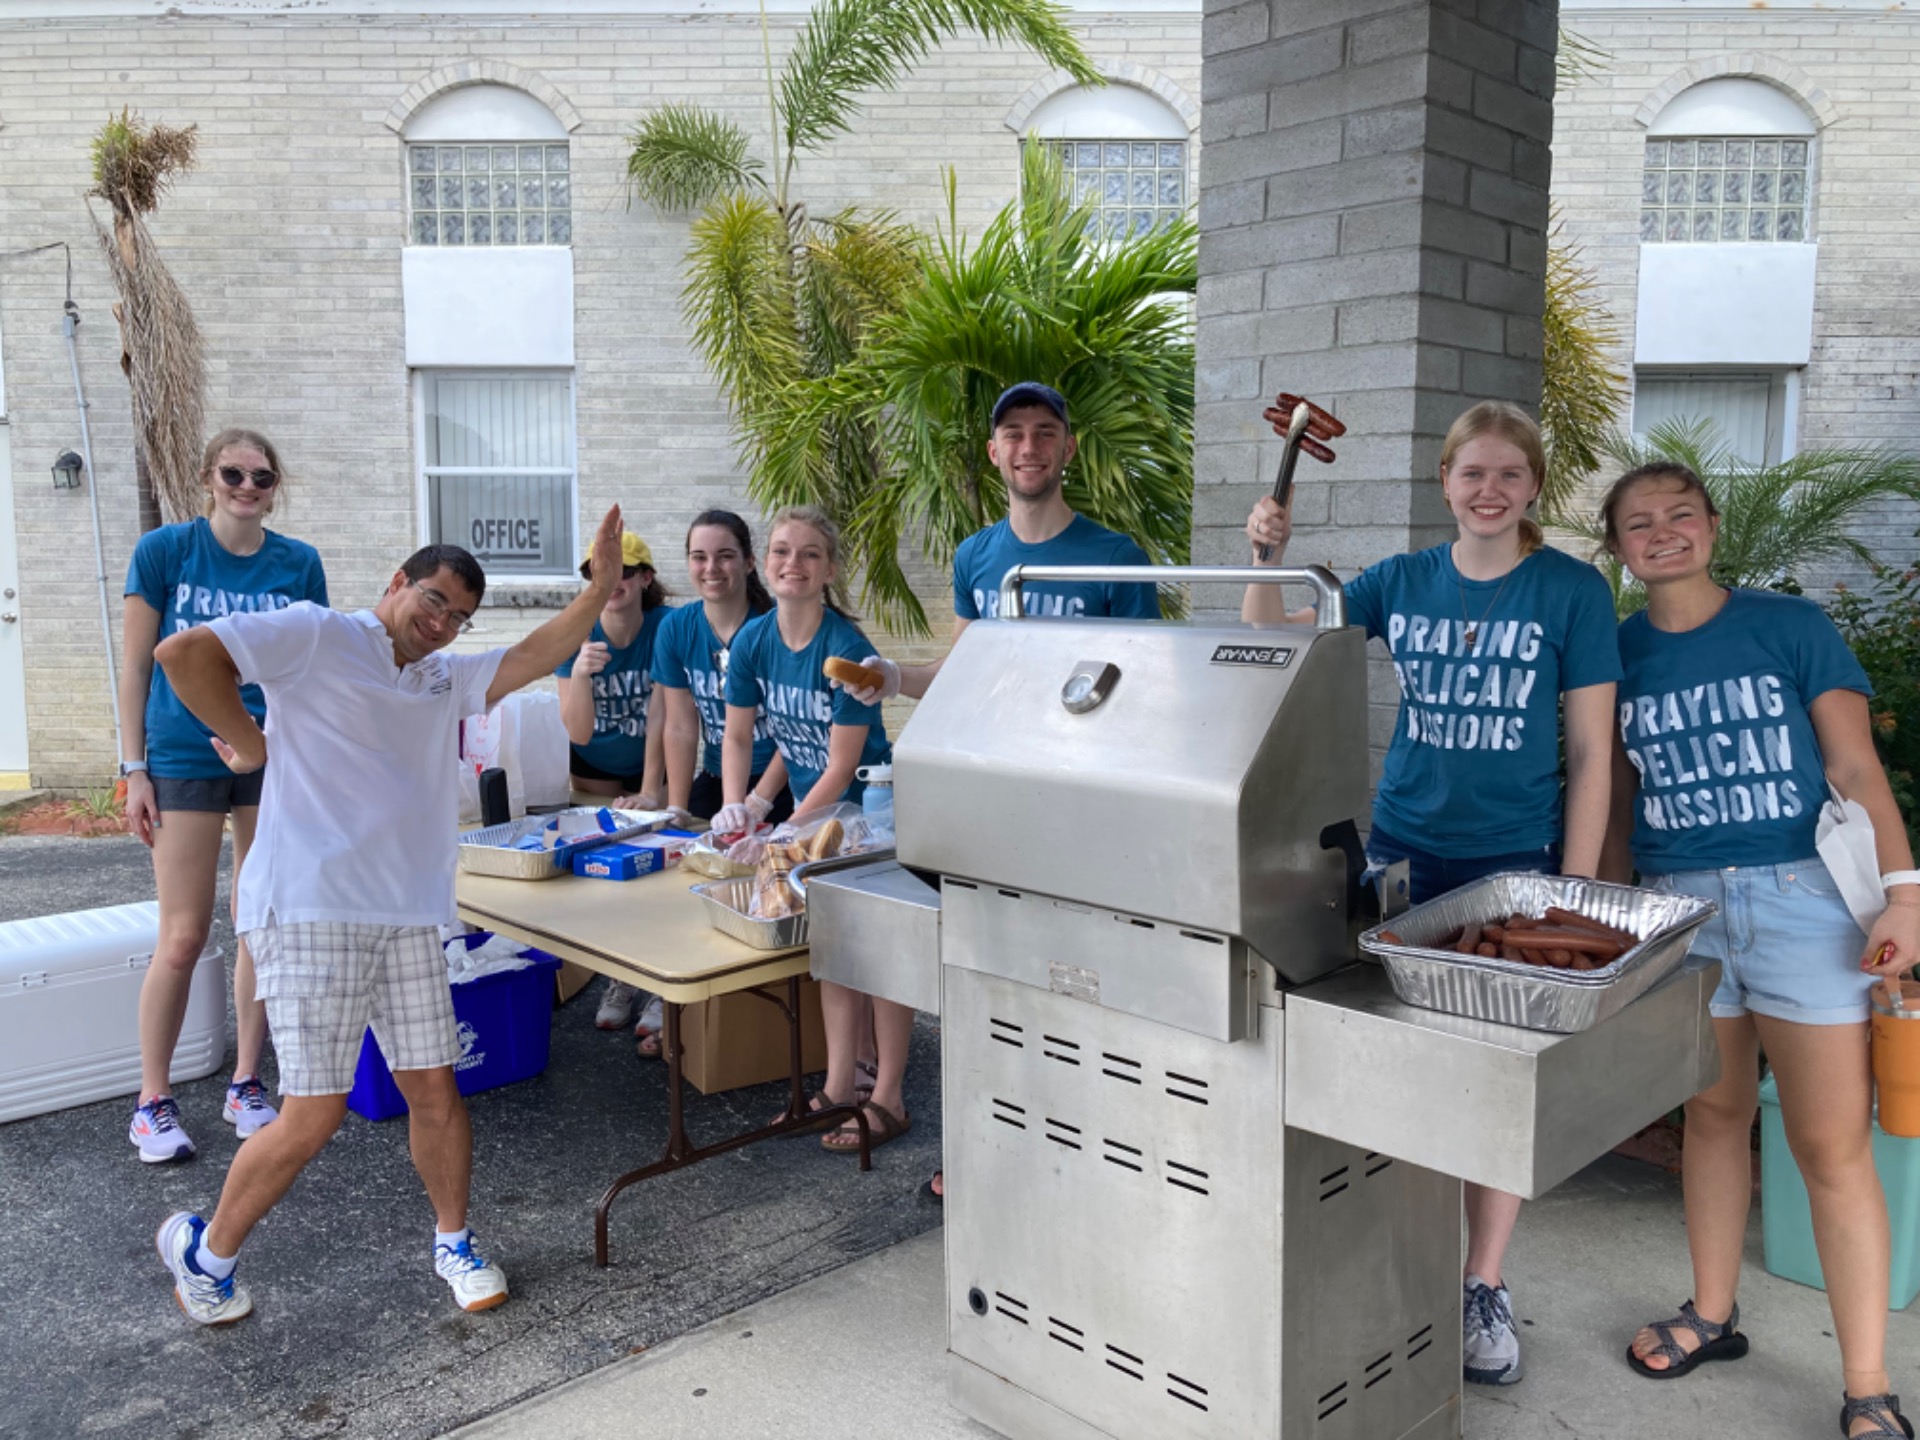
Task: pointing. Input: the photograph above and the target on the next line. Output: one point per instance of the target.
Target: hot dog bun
(854, 677)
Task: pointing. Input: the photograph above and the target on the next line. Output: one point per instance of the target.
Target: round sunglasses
(232, 476)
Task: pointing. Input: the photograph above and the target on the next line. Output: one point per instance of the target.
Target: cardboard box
(740, 1040)
(571, 979)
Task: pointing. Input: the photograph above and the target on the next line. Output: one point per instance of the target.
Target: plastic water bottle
(876, 802)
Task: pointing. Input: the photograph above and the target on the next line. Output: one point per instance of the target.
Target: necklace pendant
(1473, 634)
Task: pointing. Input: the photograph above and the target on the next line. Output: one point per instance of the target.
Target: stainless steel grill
(1198, 1183)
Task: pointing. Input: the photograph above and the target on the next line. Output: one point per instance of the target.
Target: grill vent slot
(1007, 1033)
(1008, 1300)
(1008, 1113)
(1125, 1156)
(1069, 1139)
(1333, 1182)
(1186, 1391)
(1191, 1183)
(1333, 1400)
(1418, 1341)
(1128, 1071)
(1074, 1334)
(1376, 1162)
(1186, 1087)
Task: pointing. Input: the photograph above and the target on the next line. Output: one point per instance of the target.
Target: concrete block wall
(1373, 212)
(287, 240)
(1854, 70)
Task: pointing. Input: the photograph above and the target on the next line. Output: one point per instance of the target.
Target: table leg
(681, 1152)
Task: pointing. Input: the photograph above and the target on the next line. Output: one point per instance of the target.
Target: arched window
(1123, 148)
(1728, 160)
(488, 165)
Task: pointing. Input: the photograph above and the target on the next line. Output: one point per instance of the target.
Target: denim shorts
(216, 795)
(1429, 875)
(1787, 945)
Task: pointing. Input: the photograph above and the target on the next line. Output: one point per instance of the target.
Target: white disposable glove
(746, 815)
(889, 688)
(681, 819)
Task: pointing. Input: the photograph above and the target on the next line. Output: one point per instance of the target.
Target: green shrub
(1882, 625)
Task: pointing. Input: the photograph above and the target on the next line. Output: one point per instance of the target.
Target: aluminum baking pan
(488, 851)
(726, 902)
(1514, 993)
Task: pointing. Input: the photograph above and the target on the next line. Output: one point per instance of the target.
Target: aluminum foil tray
(486, 852)
(726, 902)
(1512, 992)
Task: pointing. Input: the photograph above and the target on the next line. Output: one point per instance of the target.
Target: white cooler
(70, 1009)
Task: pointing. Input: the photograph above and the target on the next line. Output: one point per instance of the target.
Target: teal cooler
(1786, 1215)
(505, 1025)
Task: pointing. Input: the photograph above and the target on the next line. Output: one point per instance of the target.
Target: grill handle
(807, 869)
(1329, 606)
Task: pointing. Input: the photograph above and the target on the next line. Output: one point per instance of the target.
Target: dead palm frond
(134, 165)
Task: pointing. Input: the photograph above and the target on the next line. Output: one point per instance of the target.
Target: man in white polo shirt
(351, 875)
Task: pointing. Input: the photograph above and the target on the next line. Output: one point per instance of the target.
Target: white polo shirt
(360, 807)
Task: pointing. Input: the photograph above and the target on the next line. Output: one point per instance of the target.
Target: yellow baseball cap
(633, 551)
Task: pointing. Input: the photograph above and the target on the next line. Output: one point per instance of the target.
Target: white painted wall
(525, 320)
(1747, 305)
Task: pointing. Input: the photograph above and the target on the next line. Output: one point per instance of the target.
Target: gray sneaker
(616, 1006)
(1489, 1340)
(205, 1300)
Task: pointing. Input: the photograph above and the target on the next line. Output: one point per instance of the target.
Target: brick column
(1373, 215)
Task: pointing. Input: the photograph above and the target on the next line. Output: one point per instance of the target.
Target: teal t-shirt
(1474, 767)
(801, 708)
(620, 694)
(1718, 722)
(688, 655)
(983, 559)
(189, 578)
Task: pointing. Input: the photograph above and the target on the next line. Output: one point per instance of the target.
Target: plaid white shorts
(324, 982)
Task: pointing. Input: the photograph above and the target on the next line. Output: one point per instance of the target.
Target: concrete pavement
(860, 1350)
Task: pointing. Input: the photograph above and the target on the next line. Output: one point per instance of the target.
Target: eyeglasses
(232, 476)
(441, 608)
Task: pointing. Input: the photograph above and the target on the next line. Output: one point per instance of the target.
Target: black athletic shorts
(706, 798)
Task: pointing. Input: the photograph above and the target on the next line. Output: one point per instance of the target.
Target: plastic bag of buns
(820, 835)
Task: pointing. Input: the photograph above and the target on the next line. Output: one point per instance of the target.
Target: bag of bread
(822, 834)
(773, 896)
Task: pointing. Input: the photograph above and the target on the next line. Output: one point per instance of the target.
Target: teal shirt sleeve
(1367, 600)
(1592, 650)
(150, 571)
(1136, 602)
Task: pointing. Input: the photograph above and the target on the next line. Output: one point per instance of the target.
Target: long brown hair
(816, 518)
(1510, 423)
(210, 459)
(758, 600)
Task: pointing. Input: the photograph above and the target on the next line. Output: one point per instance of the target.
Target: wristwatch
(128, 767)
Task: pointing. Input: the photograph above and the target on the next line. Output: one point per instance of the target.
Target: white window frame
(424, 473)
(492, 116)
(1783, 401)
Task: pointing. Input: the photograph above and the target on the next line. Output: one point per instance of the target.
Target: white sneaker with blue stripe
(206, 1300)
(1490, 1342)
(477, 1283)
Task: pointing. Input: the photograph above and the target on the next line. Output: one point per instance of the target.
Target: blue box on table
(630, 859)
(505, 1027)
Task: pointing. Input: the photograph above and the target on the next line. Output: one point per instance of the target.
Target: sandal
(817, 1101)
(1717, 1342)
(927, 1190)
(866, 1078)
(1880, 1409)
(882, 1126)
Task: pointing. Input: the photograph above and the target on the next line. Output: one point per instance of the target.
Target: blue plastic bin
(1786, 1215)
(505, 1022)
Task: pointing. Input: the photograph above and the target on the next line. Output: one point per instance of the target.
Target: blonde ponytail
(1532, 537)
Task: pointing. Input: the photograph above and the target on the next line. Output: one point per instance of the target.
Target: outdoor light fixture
(67, 470)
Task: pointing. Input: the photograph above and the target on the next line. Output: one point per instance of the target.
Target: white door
(13, 667)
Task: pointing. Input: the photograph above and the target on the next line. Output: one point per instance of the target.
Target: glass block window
(498, 459)
(1730, 188)
(498, 194)
(1138, 185)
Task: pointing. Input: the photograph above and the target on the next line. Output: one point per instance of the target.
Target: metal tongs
(1307, 427)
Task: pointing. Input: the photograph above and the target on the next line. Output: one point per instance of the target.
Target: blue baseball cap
(1029, 392)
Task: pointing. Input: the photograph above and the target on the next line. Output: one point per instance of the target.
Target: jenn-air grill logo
(1275, 655)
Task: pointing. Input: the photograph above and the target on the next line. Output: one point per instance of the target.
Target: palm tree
(1041, 296)
(1581, 390)
(134, 164)
(1775, 520)
(774, 296)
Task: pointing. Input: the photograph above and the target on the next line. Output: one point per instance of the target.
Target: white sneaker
(616, 1006)
(477, 1283)
(653, 1018)
(1490, 1342)
(247, 1109)
(156, 1129)
(206, 1300)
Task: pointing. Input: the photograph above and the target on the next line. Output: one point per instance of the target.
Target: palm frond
(851, 46)
(134, 163)
(739, 302)
(680, 157)
(1776, 521)
(1577, 58)
(1582, 391)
